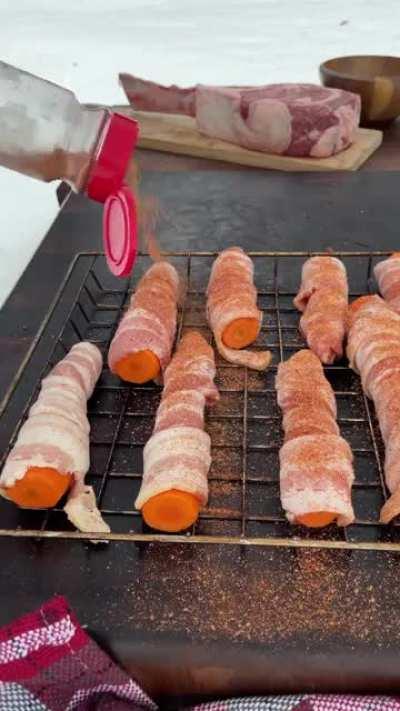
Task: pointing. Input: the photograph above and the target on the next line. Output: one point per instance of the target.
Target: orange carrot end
(171, 511)
(138, 367)
(318, 519)
(40, 488)
(240, 333)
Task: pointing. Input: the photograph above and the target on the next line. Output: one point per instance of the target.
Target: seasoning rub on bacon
(316, 471)
(51, 454)
(232, 309)
(142, 344)
(387, 274)
(177, 456)
(373, 350)
(323, 300)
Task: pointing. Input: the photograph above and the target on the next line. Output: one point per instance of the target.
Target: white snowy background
(85, 43)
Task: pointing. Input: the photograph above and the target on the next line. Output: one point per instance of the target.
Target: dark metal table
(220, 619)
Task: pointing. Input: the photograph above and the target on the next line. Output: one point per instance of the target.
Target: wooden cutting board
(171, 133)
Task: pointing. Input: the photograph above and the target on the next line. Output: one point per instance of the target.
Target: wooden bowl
(376, 79)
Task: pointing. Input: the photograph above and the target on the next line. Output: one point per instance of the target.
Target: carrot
(40, 488)
(138, 367)
(241, 332)
(171, 511)
(318, 519)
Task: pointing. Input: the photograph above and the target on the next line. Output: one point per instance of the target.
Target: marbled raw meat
(286, 119)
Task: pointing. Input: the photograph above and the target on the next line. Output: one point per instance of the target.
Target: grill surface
(245, 426)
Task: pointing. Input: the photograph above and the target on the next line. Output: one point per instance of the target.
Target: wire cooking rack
(245, 426)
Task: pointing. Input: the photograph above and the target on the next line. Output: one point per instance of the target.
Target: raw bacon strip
(144, 338)
(177, 456)
(232, 309)
(51, 454)
(82, 511)
(316, 471)
(374, 352)
(387, 274)
(323, 299)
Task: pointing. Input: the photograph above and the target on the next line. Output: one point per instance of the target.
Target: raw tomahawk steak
(287, 119)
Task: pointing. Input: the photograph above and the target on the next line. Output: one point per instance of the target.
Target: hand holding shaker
(47, 134)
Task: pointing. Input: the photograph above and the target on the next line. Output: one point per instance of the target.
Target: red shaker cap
(105, 184)
(114, 152)
(120, 231)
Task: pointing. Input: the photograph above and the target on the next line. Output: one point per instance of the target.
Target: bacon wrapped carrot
(316, 471)
(387, 274)
(51, 454)
(177, 456)
(142, 345)
(232, 309)
(373, 350)
(323, 300)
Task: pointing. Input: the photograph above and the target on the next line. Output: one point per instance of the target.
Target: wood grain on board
(173, 133)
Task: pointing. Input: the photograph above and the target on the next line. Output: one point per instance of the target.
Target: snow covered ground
(84, 45)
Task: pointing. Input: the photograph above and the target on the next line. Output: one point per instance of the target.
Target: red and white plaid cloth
(48, 663)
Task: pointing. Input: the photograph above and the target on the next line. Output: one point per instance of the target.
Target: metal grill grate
(245, 426)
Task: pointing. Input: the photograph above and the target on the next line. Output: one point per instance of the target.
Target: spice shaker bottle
(47, 134)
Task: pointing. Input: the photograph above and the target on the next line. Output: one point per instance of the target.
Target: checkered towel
(304, 702)
(48, 663)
